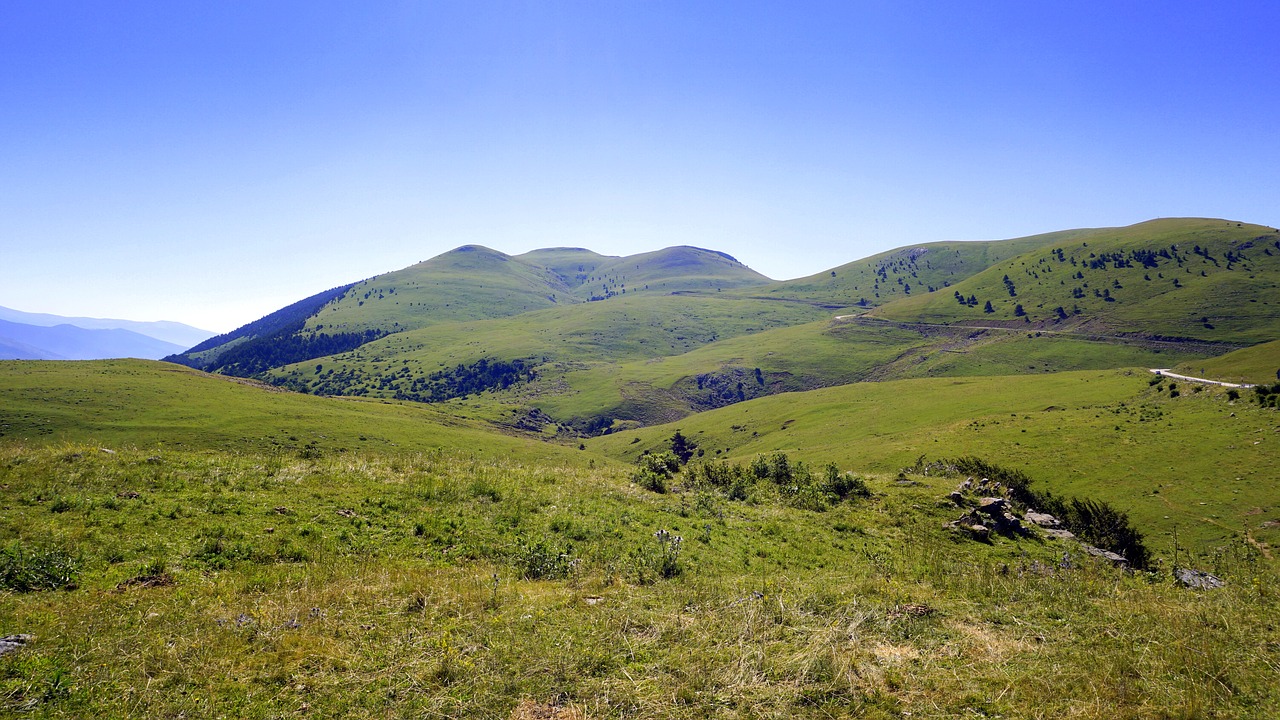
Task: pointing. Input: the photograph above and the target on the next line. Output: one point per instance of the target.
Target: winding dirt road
(1165, 372)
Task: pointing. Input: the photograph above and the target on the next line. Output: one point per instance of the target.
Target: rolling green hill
(1212, 280)
(1195, 462)
(908, 271)
(465, 284)
(178, 544)
(181, 544)
(469, 283)
(1259, 364)
(574, 266)
(671, 270)
(684, 329)
(154, 404)
(555, 341)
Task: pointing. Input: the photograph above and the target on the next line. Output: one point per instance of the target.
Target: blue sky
(210, 162)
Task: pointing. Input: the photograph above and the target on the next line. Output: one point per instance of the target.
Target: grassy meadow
(172, 553)
(1259, 364)
(1198, 463)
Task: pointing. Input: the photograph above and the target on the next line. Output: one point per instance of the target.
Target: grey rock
(979, 532)
(10, 643)
(1113, 558)
(1044, 520)
(993, 505)
(1197, 579)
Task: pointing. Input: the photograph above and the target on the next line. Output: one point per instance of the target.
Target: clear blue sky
(209, 162)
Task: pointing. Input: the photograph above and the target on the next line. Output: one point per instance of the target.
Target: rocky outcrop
(1197, 579)
(10, 643)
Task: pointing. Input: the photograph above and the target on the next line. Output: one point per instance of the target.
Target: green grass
(474, 283)
(670, 270)
(833, 352)
(371, 586)
(1195, 462)
(153, 404)
(1185, 295)
(621, 328)
(221, 572)
(469, 283)
(884, 277)
(1257, 364)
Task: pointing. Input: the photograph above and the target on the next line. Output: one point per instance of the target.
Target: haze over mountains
(41, 336)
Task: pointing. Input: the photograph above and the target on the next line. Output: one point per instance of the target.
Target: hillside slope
(670, 270)
(261, 559)
(908, 271)
(1205, 279)
(1197, 462)
(469, 283)
(1259, 364)
(138, 402)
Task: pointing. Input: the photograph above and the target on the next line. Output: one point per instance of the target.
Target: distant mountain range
(40, 336)
(593, 342)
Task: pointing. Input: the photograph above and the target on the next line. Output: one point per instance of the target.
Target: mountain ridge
(169, 331)
(20, 341)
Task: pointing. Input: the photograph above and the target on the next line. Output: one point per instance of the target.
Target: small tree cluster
(793, 482)
(655, 471)
(1267, 396)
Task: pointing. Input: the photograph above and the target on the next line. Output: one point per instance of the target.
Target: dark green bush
(542, 560)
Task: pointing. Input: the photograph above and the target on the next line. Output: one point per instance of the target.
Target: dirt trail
(1165, 372)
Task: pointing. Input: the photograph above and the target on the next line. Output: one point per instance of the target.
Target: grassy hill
(671, 270)
(623, 380)
(152, 404)
(908, 271)
(1205, 279)
(555, 341)
(1109, 435)
(1259, 364)
(574, 266)
(832, 352)
(201, 568)
(466, 284)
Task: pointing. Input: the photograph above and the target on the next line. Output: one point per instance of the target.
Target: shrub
(658, 561)
(541, 560)
(1102, 525)
(654, 470)
(682, 447)
(844, 485)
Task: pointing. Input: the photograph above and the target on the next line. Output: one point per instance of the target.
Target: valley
(567, 485)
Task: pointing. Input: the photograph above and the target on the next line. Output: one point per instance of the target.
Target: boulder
(10, 643)
(1197, 579)
(1044, 520)
(1113, 558)
(993, 505)
(1059, 533)
(979, 532)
